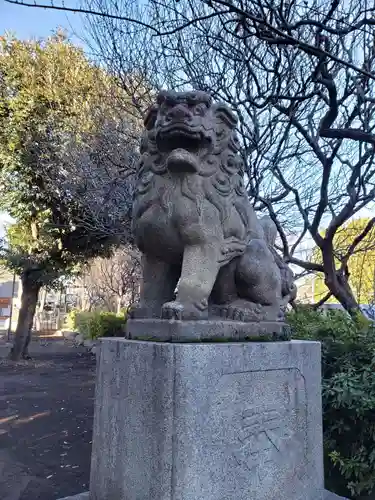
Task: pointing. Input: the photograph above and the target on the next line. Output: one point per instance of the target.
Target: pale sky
(30, 22)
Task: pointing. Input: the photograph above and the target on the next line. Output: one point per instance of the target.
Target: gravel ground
(46, 411)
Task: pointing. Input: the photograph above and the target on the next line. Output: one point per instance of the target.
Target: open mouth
(179, 137)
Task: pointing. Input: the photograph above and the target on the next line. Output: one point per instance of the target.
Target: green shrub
(70, 321)
(95, 324)
(348, 393)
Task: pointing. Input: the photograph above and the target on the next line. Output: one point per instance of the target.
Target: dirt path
(46, 410)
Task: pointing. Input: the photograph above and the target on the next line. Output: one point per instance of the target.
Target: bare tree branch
(264, 30)
(322, 301)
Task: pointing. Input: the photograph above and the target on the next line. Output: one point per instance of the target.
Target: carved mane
(221, 167)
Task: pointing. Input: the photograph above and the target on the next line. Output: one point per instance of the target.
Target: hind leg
(225, 288)
(257, 281)
(258, 277)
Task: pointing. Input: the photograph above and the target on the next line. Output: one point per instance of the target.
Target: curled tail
(289, 289)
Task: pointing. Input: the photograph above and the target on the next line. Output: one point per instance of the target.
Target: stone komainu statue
(205, 253)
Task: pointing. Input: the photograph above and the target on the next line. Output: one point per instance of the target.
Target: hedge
(93, 325)
(348, 393)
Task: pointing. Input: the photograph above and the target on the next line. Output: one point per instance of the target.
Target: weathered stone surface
(180, 331)
(332, 496)
(327, 496)
(80, 496)
(219, 421)
(194, 223)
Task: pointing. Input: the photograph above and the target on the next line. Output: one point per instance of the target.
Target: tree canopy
(361, 264)
(301, 78)
(52, 101)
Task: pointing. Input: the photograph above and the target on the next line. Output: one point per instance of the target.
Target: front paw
(178, 310)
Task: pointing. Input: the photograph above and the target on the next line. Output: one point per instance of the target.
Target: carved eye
(200, 109)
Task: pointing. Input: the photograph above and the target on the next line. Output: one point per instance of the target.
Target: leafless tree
(112, 283)
(96, 169)
(300, 76)
(301, 80)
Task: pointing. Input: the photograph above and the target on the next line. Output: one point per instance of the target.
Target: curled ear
(224, 114)
(163, 96)
(150, 117)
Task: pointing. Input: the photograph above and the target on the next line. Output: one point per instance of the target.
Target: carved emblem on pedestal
(262, 439)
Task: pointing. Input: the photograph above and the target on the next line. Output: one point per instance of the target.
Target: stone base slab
(80, 496)
(332, 496)
(327, 496)
(205, 331)
(213, 421)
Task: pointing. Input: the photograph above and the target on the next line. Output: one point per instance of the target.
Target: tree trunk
(25, 351)
(119, 304)
(337, 283)
(29, 299)
(344, 295)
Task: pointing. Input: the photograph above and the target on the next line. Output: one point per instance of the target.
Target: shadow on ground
(46, 411)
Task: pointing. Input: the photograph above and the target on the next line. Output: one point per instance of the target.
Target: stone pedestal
(214, 421)
(206, 331)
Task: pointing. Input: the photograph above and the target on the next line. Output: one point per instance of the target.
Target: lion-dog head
(187, 136)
